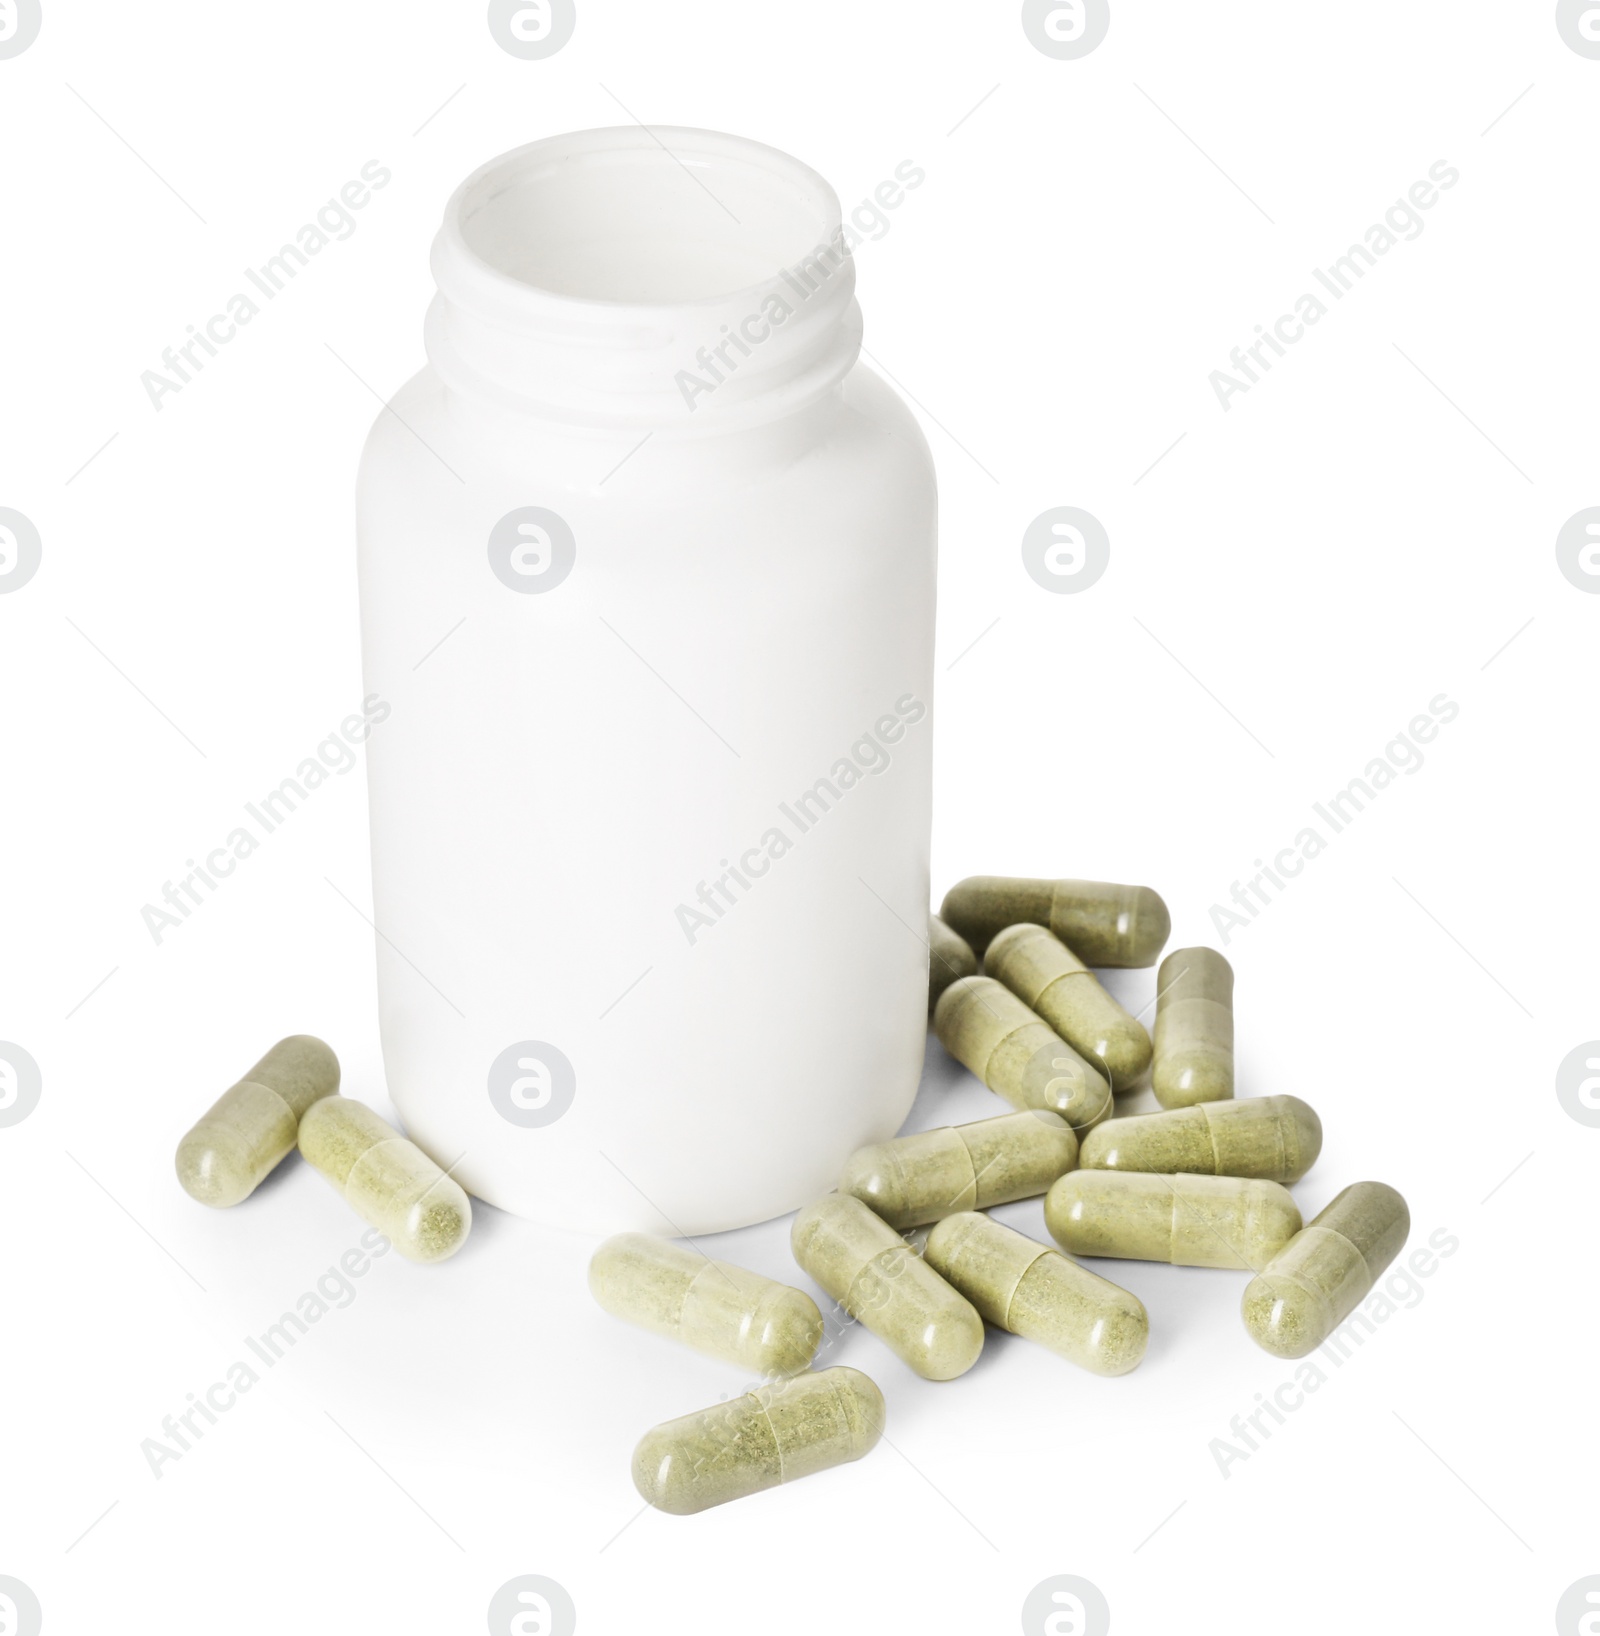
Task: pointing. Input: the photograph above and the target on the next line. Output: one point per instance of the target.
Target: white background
(1366, 529)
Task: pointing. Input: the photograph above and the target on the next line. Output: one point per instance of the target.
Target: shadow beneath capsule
(1133, 988)
(489, 1224)
(1139, 1097)
(947, 1094)
(1180, 1301)
(938, 1066)
(997, 1344)
(279, 1177)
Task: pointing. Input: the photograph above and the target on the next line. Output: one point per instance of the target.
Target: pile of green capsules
(1200, 1184)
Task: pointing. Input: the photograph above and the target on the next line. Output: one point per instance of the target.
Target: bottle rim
(554, 298)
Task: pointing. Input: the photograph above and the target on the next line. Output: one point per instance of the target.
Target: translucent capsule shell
(917, 1179)
(1275, 1138)
(1194, 1029)
(1018, 1055)
(949, 957)
(388, 1181)
(865, 1265)
(1027, 1288)
(1321, 1276)
(1056, 985)
(1183, 1220)
(1101, 922)
(248, 1130)
(716, 1307)
(775, 1434)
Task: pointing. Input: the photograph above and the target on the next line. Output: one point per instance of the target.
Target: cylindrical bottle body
(646, 844)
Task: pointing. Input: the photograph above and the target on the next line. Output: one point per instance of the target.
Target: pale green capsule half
(1055, 984)
(241, 1138)
(765, 1327)
(1023, 1286)
(865, 1265)
(791, 1428)
(1320, 1277)
(987, 1029)
(948, 958)
(1276, 1138)
(1102, 923)
(389, 1182)
(1184, 1220)
(917, 1179)
(1194, 1029)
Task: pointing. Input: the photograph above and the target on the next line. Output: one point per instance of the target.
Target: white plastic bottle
(647, 582)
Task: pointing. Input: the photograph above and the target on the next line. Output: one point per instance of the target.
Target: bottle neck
(618, 280)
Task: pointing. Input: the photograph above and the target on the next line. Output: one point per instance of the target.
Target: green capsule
(1053, 982)
(1023, 1286)
(986, 1028)
(389, 1182)
(763, 1326)
(772, 1435)
(1184, 1220)
(1104, 924)
(1194, 1029)
(917, 1179)
(948, 958)
(249, 1128)
(1322, 1274)
(1276, 1138)
(865, 1265)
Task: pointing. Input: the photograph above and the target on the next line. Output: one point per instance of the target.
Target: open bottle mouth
(628, 277)
(621, 217)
